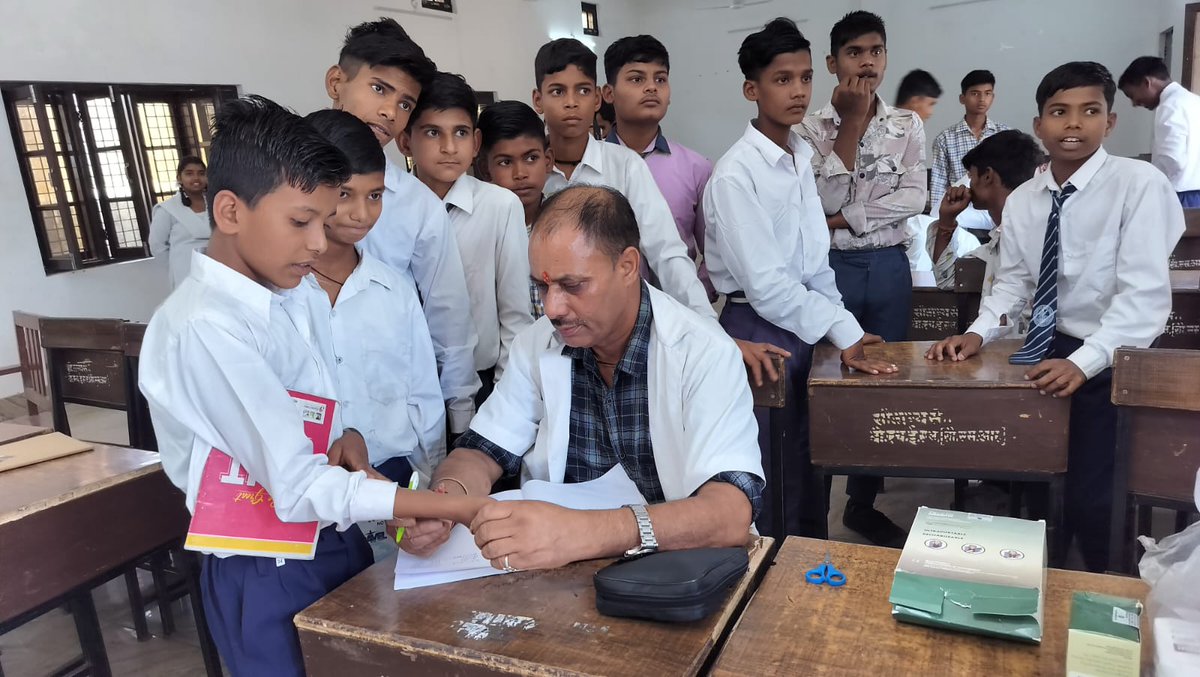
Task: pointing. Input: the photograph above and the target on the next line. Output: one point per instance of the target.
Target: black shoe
(873, 525)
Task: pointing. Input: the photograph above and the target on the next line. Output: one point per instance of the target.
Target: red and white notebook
(235, 515)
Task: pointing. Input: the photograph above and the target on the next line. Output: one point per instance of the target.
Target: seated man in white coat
(615, 372)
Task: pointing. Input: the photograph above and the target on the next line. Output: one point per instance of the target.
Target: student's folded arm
(512, 280)
(161, 223)
(233, 398)
(742, 228)
(664, 249)
(1170, 144)
(1012, 288)
(1142, 304)
(720, 436)
(443, 285)
(908, 199)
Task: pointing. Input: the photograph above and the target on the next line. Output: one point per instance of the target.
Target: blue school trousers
(876, 287)
(803, 496)
(1091, 453)
(250, 601)
(1190, 199)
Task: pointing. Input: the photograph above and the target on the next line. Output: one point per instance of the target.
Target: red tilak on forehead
(545, 277)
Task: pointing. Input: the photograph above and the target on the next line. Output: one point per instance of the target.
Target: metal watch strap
(645, 531)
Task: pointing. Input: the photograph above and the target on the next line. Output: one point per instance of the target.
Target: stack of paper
(459, 559)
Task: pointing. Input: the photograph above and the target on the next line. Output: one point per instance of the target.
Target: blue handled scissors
(826, 573)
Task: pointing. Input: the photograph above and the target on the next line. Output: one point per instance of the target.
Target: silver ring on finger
(506, 566)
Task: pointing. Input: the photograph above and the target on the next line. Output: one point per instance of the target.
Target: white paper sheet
(459, 559)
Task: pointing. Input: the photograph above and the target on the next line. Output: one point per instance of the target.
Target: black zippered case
(676, 586)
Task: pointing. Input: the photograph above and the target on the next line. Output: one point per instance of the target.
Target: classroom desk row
(546, 623)
(69, 524)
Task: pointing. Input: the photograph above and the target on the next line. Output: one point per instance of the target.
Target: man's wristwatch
(649, 543)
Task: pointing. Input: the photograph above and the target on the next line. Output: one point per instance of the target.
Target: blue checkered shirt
(948, 150)
(611, 425)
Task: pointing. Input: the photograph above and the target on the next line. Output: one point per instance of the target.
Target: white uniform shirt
(375, 339)
(701, 413)
(1116, 233)
(177, 231)
(413, 236)
(489, 225)
(218, 359)
(617, 167)
(1177, 137)
(767, 237)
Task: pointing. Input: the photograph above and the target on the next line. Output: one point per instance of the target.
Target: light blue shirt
(375, 339)
(413, 236)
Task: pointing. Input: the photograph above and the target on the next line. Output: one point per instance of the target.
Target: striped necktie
(1045, 301)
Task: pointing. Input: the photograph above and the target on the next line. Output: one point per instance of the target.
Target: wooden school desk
(70, 523)
(975, 419)
(526, 623)
(1183, 326)
(793, 628)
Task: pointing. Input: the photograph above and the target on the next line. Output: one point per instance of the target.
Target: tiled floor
(50, 640)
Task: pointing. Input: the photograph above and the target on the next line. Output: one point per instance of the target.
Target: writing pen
(412, 486)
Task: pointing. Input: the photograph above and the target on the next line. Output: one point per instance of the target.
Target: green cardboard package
(976, 573)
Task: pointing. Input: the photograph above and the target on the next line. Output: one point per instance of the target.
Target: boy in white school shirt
(768, 251)
(567, 96)
(378, 77)
(369, 325)
(1147, 83)
(1087, 242)
(488, 221)
(218, 360)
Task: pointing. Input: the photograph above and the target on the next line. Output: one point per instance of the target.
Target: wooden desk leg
(137, 604)
(1055, 518)
(1119, 521)
(778, 505)
(158, 564)
(821, 480)
(960, 495)
(91, 640)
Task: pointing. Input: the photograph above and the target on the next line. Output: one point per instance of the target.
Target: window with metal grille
(591, 18)
(96, 158)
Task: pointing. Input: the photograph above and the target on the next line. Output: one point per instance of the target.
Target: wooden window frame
(66, 138)
(589, 10)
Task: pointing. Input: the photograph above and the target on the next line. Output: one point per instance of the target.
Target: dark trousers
(487, 379)
(1091, 450)
(876, 287)
(250, 602)
(1190, 199)
(803, 497)
(397, 469)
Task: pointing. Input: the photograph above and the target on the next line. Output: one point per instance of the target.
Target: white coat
(701, 412)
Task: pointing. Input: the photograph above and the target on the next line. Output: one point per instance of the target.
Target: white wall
(278, 48)
(1018, 40)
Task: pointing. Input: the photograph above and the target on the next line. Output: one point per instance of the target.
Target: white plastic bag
(1172, 569)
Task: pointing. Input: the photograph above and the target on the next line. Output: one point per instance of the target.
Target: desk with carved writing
(975, 419)
(69, 523)
(793, 628)
(1183, 326)
(525, 623)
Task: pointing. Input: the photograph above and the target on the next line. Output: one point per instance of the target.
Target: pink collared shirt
(681, 174)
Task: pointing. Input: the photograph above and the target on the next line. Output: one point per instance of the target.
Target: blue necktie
(1045, 300)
